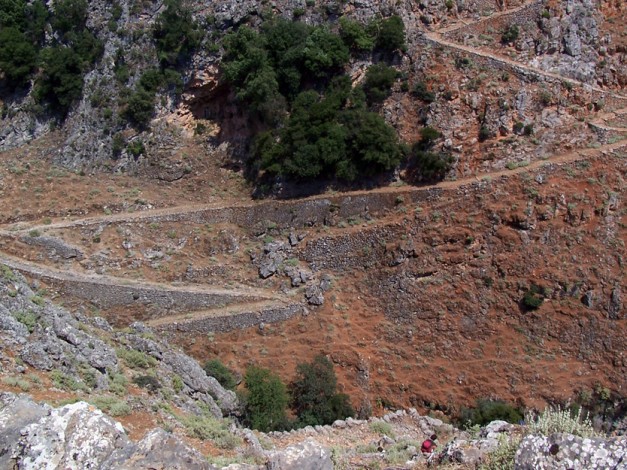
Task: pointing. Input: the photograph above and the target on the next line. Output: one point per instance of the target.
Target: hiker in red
(429, 445)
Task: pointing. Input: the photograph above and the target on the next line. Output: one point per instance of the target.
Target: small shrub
(28, 318)
(557, 420)
(65, 382)
(484, 134)
(216, 369)
(533, 298)
(136, 359)
(421, 92)
(382, 427)
(7, 273)
(510, 34)
(34, 233)
(23, 384)
(177, 383)
(545, 97)
(118, 383)
(136, 148)
(111, 405)
(503, 457)
(149, 382)
(208, 428)
(518, 127)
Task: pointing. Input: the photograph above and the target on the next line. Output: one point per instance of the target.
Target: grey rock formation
(86, 347)
(314, 295)
(16, 412)
(308, 455)
(57, 248)
(76, 436)
(79, 437)
(195, 378)
(159, 450)
(565, 451)
(615, 307)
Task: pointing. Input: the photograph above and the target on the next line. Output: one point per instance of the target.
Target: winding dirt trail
(192, 209)
(264, 298)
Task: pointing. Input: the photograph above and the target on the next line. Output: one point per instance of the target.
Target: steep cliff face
(97, 133)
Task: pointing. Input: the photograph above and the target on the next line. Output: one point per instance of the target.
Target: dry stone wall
(224, 323)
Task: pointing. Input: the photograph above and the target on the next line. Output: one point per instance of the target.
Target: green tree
(486, 411)
(140, 107)
(69, 16)
(176, 33)
(372, 145)
(391, 34)
(266, 400)
(510, 34)
(18, 56)
(324, 53)
(355, 35)
(378, 82)
(61, 82)
(314, 394)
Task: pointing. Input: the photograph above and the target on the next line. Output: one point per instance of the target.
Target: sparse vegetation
(556, 420)
(111, 405)
(28, 318)
(136, 359)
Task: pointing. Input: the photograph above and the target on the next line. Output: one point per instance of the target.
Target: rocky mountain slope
(506, 280)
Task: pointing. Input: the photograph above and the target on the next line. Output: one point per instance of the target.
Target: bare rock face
(562, 451)
(195, 377)
(79, 437)
(76, 436)
(16, 412)
(159, 451)
(308, 455)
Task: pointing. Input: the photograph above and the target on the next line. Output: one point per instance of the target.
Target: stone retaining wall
(222, 324)
(160, 299)
(525, 16)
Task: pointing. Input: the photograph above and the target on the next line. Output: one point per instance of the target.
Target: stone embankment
(225, 320)
(161, 299)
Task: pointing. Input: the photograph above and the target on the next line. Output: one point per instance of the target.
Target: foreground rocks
(79, 436)
(565, 451)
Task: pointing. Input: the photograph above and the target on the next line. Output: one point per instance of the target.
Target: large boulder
(308, 455)
(195, 378)
(16, 412)
(565, 451)
(74, 437)
(159, 450)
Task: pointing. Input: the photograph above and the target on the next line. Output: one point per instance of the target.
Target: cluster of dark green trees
(312, 396)
(291, 77)
(62, 63)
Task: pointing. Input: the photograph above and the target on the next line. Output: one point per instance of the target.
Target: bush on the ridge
(486, 411)
(265, 400)
(314, 394)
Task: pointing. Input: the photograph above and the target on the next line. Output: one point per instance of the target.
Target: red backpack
(427, 446)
